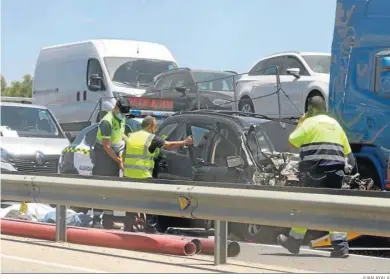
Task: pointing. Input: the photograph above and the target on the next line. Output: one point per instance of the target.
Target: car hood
(28, 146)
(128, 90)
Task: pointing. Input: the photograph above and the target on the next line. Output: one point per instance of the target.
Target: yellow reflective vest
(117, 130)
(139, 162)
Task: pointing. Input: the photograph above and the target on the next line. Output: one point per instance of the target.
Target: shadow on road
(50, 244)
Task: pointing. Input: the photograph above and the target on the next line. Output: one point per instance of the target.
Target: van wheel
(246, 105)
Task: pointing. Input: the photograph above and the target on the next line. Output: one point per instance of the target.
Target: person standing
(141, 149)
(107, 150)
(324, 150)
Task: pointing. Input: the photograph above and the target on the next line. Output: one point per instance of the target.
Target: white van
(70, 79)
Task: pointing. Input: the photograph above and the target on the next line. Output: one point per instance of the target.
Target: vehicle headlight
(220, 102)
(5, 164)
(60, 162)
(4, 156)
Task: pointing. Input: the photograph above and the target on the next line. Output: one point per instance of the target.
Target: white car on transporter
(302, 75)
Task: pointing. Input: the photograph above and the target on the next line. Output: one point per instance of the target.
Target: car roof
(239, 118)
(283, 53)
(192, 70)
(11, 104)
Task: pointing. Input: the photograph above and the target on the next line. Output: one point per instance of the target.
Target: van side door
(87, 100)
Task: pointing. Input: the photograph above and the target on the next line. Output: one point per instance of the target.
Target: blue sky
(209, 34)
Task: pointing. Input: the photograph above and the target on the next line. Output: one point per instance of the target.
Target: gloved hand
(348, 169)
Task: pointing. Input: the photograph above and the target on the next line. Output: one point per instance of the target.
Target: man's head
(122, 107)
(316, 105)
(149, 124)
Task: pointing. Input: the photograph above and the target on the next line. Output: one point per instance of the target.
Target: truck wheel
(256, 233)
(367, 170)
(246, 105)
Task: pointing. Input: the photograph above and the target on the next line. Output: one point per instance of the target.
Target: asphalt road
(22, 255)
(40, 256)
(312, 260)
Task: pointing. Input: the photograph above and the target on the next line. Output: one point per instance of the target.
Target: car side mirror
(69, 136)
(294, 72)
(95, 82)
(234, 161)
(384, 83)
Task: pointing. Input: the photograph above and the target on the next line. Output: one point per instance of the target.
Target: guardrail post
(220, 242)
(61, 223)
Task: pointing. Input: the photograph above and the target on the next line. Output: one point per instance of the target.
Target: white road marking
(311, 250)
(52, 264)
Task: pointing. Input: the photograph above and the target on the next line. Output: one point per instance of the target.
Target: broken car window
(199, 135)
(226, 144)
(169, 131)
(258, 144)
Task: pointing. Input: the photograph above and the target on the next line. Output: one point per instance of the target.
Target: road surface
(24, 255)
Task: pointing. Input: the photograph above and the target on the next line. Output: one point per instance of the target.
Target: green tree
(3, 86)
(17, 88)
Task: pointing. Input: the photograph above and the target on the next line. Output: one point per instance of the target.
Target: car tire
(256, 233)
(246, 105)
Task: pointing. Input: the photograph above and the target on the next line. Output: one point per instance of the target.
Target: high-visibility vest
(139, 162)
(117, 130)
(323, 143)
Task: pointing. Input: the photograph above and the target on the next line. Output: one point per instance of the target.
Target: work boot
(340, 249)
(96, 222)
(291, 244)
(151, 230)
(108, 223)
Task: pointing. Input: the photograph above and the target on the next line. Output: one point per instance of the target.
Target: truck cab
(359, 89)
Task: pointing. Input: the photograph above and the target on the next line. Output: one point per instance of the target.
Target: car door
(223, 142)
(174, 164)
(264, 93)
(294, 87)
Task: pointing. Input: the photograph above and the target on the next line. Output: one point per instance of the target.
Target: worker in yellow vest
(139, 157)
(324, 150)
(107, 159)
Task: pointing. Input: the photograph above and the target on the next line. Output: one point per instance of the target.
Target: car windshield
(135, 123)
(214, 81)
(318, 63)
(21, 121)
(133, 72)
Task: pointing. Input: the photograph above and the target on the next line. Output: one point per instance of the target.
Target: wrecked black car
(233, 147)
(228, 147)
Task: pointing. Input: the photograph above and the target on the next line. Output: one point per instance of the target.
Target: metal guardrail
(367, 215)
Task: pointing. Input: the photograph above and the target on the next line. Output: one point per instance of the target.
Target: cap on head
(123, 105)
(317, 103)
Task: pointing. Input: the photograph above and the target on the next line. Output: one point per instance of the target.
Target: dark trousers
(103, 166)
(150, 222)
(325, 178)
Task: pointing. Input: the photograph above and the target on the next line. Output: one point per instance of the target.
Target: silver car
(31, 138)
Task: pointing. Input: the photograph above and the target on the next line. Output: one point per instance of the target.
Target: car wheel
(257, 233)
(246, 105)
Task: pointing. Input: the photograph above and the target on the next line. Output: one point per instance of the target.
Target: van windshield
(134, 72)
(18, 121)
